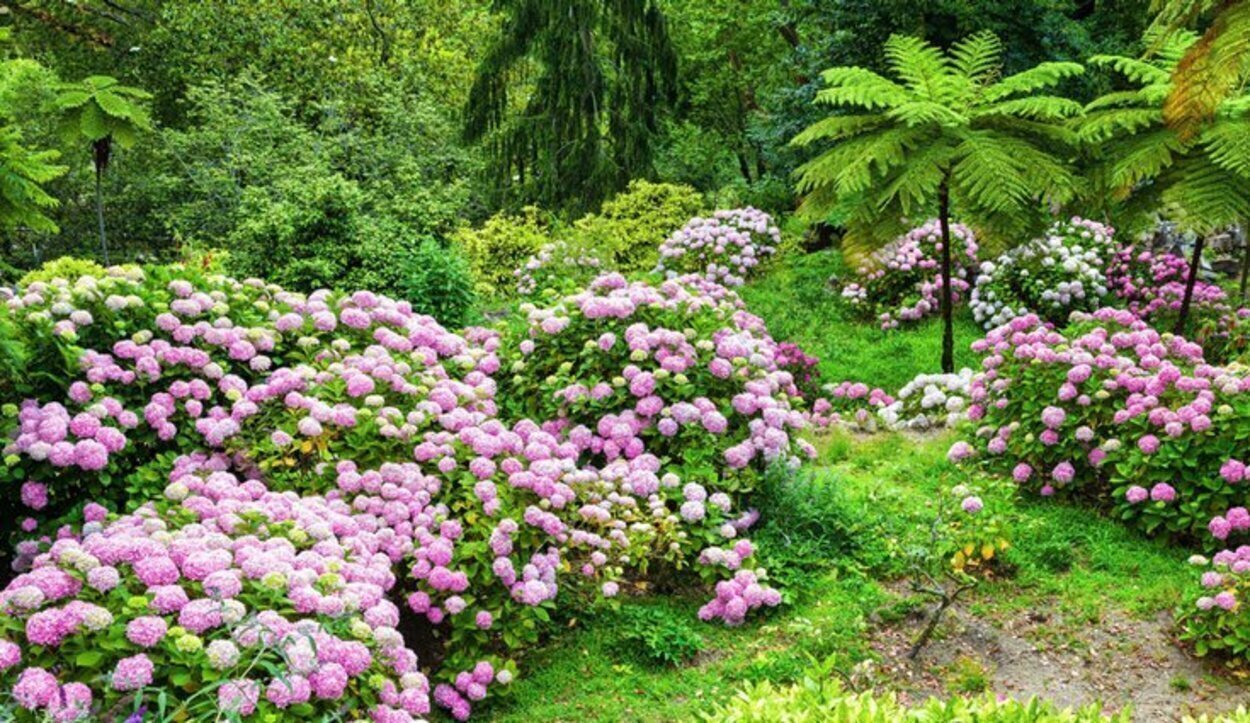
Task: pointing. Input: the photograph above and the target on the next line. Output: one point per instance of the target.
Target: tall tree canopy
(949, 133)
(602, 73)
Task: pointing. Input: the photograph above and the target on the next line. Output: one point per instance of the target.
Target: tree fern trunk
(947, 302)
(1183, 318)
(99, 213)
(1245, 258)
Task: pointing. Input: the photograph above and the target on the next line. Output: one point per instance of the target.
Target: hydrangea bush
(1152, 285)
(725, 247)
(1113, 411)
(929, 401)
(901, 282)
(560, 265)
(1051, 276)
(332, 467)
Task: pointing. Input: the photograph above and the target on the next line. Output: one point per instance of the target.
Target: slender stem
(1183, 318)
(1245, 259)
(99, 213)
(947, 300)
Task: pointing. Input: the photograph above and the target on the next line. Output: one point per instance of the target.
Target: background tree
(604, 73)
(23, 172)
(103, 111)
(1143, 166)
(951, 136)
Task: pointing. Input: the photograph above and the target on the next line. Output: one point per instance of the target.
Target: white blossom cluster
(930, 401)
(1051, 276)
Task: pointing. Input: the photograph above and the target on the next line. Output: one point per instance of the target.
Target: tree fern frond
(1103, 125)
(988, 174)
(914, 185)
(860, 87)
(1117, 99)
(1037, 107)
(916, 62)
(1043, 75)
(978, 57)
(1227, 144)
(920, 112)
(1207, 197)
(1211, 70)
(1142, 157)
(837, 127)
(1142, 72)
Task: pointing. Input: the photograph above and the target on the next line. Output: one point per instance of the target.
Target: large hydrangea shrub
(726, 247)
(1112, 411)
(1062, 271)
(901, 282)
(332, 467)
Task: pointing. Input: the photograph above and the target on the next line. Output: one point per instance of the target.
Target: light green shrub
(628, 230)
(502, 245)
(825, 701)
(69, 268)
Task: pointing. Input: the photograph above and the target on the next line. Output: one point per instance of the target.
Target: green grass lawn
(800, 306)
(877, 493)
(831, 538)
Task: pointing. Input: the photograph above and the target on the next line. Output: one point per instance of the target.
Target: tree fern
(944, 131)
(1199, 176)
(102, 111)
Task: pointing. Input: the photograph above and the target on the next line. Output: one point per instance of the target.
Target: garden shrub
(560, 266)
(901, 281)
(319, 231)
(657, 635)
(360, 441)
(65, 267)
(822, 698)
(440, 284)
(929, 401)
(630, 225)
(1113, 411)
(1051, 276)
(850, 399)
(1152, 285)
(1214, 617)
(503, 244)
(224, 596)
(724, 248)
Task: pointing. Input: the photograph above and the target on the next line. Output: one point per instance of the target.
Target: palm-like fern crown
(1200, 179)
(22, 175)
(99, 107)
(947, 118)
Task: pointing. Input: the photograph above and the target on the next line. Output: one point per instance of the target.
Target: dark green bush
(657, 635)
(440, 284)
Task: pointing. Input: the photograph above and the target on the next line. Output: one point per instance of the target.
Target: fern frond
(1211, 70)
(920, 112)
(1104, 125)
(859, 87)
(917, 63)
(978, 57)
(1207, 197)
(1227, 143)
(1142, 157)
(1142, 72)
(916, 183)
(988, 174)
(850, 166)
(1043, 75)
(1037, 107)
(836, 128)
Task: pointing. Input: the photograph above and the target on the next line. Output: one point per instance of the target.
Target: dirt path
(1117, 661)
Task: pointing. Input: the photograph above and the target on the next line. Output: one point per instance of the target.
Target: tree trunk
(947, 300)
(99, 213)
(1245, 258)
(743, 167)
(1183, 318)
